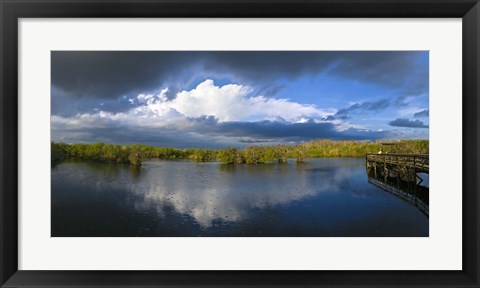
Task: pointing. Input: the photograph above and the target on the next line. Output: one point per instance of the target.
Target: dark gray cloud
(402, 70)
(111, 75)
(402, 122)
(113, 132)
(65, 104)
(422, 113)
(206, 132)
(281, 130)
(371, 106)
(391, 69)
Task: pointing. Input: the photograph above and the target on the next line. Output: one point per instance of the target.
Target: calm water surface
(321, 197)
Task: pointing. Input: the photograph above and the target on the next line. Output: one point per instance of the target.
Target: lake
(323, 197)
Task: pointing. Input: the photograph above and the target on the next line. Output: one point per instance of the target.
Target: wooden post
(397, 175)
(415, 182)
(385, 171)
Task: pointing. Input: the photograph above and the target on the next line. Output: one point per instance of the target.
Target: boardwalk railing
(418, 162)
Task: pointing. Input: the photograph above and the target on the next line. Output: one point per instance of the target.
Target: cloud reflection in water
(321, 197)
(213, 191)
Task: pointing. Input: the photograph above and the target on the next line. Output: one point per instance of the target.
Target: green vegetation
(113, 153)
(134, 154)
(228, 155)
(200, 155)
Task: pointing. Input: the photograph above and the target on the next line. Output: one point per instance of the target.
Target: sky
(218, 99)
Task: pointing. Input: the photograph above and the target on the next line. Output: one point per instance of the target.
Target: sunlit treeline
(134, 154)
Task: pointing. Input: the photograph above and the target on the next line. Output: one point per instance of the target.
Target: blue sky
(236, 98)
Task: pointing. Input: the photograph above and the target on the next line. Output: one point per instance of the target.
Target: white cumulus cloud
(232, 103)
(227, 103)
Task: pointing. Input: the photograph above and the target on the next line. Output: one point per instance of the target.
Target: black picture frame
(12, 10)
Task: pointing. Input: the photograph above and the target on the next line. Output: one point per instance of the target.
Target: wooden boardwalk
(416, 162)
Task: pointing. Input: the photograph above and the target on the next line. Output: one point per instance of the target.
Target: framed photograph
(247, 144)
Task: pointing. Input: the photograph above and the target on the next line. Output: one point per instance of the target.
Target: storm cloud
(233, 98)
(208, 132)
(111, 75)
